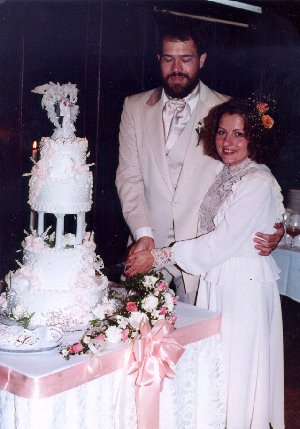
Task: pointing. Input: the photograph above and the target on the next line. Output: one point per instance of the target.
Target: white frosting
(61, 181)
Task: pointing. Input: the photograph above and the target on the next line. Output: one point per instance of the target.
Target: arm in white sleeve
(143, 232)
(241, 220)
(129, 178)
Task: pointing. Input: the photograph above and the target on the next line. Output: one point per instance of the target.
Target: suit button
(173, 204)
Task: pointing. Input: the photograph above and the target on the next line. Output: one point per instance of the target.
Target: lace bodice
(219, 192)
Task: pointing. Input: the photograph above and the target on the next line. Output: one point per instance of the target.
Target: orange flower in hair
(267, 121)
(262, 107)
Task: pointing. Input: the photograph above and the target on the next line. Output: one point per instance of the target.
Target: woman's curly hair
(262, 142)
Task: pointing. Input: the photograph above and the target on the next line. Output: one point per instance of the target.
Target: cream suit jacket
(143, 180)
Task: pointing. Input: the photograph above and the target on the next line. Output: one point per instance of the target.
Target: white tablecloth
(192, 400)
(289, 263)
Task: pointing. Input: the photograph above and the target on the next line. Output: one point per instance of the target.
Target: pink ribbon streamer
(151, 358)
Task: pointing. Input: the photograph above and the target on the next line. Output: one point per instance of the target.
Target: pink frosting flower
(76, 348)
(131, 306)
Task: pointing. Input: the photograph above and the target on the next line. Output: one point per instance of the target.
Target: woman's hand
(266, 243)
(139, 263)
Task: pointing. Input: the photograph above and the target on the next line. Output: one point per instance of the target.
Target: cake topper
(60, 103)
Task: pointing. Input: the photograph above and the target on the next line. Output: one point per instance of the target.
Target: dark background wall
(108, 49)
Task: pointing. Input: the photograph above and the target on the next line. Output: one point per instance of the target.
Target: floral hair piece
(266, 120)
(261, 118)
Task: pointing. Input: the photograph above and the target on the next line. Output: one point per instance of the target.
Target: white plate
(27, 350)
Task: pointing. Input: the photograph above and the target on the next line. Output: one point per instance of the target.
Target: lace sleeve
(162, 257)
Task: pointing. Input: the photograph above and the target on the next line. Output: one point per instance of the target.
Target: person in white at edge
(239, 283)
(160, 188)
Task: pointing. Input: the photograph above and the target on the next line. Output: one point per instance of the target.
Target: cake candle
(34, 150)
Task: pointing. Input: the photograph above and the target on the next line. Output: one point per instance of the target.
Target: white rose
(150, 303)
(113, 334)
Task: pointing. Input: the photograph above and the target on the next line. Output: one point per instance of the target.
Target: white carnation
(100, 311)
(149, 281)
(150, 303)
(135, 319)
(122, 322)
(155, 314)
(18, 311)
(113, 334)
(169, 302)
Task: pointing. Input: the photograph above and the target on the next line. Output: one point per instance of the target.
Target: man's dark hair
(182, 29)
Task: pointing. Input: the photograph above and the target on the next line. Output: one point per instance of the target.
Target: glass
(292, 226)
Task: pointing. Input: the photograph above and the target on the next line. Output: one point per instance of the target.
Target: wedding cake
(59, 281)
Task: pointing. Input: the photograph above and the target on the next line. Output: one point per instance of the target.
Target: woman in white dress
(237, 282)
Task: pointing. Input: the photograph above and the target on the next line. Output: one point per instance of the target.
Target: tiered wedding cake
(57, 285)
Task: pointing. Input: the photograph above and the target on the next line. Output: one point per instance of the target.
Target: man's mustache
(177, 74)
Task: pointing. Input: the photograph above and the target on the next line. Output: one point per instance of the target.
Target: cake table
(42, 390)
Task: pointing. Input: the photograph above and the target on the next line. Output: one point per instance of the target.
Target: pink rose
(100, 337)
(131, 307)
(173, 319)
(161, 286)
(76, 348)
(125, 334)
(163, 310)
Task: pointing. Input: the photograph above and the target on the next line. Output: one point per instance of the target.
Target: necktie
(176, 115)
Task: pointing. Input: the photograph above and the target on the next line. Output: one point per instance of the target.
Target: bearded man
(163, 175)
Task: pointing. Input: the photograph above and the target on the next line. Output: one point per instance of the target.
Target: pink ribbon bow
(153, 354)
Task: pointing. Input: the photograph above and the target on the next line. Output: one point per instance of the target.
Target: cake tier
(58, 285)
(61, 181)
(64, 308)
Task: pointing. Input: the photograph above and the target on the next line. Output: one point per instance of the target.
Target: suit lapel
(205, 103)
(156, 137)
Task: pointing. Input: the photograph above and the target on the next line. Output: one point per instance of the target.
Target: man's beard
(178, 90)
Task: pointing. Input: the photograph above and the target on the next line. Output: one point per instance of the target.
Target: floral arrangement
(265, 119)
(119, 315)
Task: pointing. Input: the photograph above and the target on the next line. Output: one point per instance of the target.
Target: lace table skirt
(193, 400)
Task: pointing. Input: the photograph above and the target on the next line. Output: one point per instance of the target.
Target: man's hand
(266, 243)
(139, 263)
(143, 243)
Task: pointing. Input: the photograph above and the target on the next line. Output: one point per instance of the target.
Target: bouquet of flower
(118, 316)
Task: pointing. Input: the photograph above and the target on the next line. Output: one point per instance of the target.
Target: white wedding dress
(242, 286)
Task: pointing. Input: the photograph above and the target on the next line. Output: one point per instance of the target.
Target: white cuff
(145, 231)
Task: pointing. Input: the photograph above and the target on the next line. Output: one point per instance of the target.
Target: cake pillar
(80, 227)
(59, 230)
(32, 220)
(40, 223)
